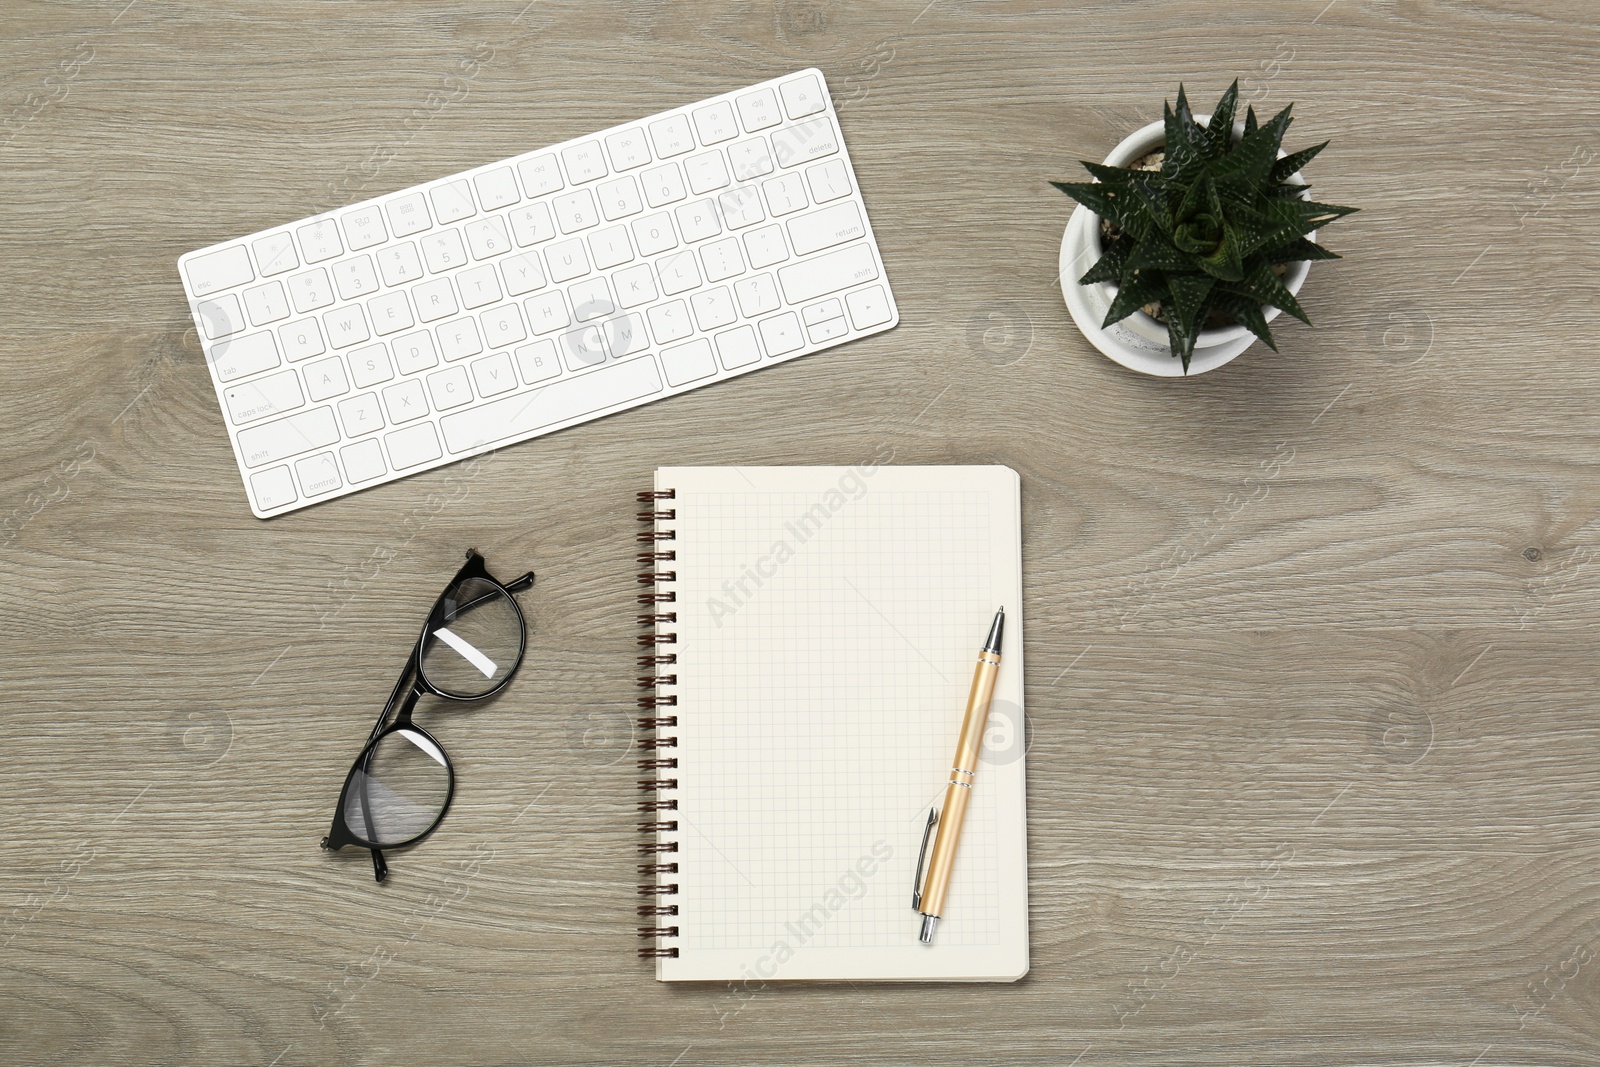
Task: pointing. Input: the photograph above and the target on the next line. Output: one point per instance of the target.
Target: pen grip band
(658, 666)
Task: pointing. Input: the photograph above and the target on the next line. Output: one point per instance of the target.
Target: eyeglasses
(399, 788)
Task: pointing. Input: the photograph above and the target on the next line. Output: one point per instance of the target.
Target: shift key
(827, 274)
(273, 441)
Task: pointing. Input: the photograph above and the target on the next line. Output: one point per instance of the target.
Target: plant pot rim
(1138, 144)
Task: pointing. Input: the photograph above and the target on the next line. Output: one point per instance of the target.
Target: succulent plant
(1201, 237)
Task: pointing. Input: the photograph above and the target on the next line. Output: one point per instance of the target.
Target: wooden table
(1311, 668)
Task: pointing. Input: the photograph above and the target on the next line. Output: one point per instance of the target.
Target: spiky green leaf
(1249, 119)
(1294, 161)
(1188, 305)
(1262, 285)
(1296, 250)
(1108, 268)
(1219, 131)
(1246, 313)
(1141, 290)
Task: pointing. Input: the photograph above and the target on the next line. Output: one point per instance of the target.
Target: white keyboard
(512, 300)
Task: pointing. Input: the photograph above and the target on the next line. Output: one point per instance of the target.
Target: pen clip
(916, 879)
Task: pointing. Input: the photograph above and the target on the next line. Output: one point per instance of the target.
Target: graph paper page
(828, 623)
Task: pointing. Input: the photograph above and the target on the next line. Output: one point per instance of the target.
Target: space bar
(523, 414)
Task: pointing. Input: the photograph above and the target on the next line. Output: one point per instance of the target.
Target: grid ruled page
(829, 620)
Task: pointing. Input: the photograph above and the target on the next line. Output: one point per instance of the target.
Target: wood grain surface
(1310, 639)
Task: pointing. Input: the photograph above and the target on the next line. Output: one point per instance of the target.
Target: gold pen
(927, 897)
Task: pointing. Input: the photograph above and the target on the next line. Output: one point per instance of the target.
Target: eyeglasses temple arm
(380, 869)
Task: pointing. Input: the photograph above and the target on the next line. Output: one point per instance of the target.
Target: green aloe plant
(1200, 237)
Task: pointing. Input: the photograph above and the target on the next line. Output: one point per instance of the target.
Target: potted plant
(1195, 233)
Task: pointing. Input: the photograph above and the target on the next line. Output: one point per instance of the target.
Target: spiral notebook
(810, 636)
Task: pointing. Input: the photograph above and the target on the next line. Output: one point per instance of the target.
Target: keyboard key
(487, 237)
(722, 259)
(216, 271)
(319, 241)
(654, 234)
(450, 388)
(716, 123)
(628, 149)
(765, 247)
(559, 402)
(443, 250)
(823, 229)
(584, 347)
(590, 299)
(538, 361)
(757, 295)
(497, 188)
(412, 445)
(355, 277)
(494, 374)
(670, 322)
(584, 162)
(274, 394)
(824, 332)
(827, 273)
(389, 312)
(828, 181)
(635, 285)
(363, 228)
(239, 357)
(369, 365)
(408, 214)
(360, 414)
(706, 172)
(688, 363)
(459, 339)
(802, 96)
(404, 401)
(310, 290)
(805, 141)
(625, 335)
(663, 185)
(737, 348)
(221, 316)
(414, 352)
(434, 300)
(781, 334)
(750, 159)
(541, 175)
(741, 207)
(547, 312)
(671, 136)
(531, 224)
(566, 260)
(318, 474)
(399, 263)
(325, 379)
(678, 273)
(275, 254)
(610, 247)
(363, 461)
(713, 308)
(698, 220)
(575, 211)
(270, 442)
(503, 325)
(273, 488)
(300, 340)
(452, 202)
(785, 193)
(758, 110)
(523, 273)
(620, 198)
(821, 311)
(868, 307)
(345, 326)
(479, 286)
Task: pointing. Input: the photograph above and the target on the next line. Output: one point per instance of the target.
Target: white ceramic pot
(1139, 342)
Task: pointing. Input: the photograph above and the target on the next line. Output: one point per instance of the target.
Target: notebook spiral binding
(655, 847)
